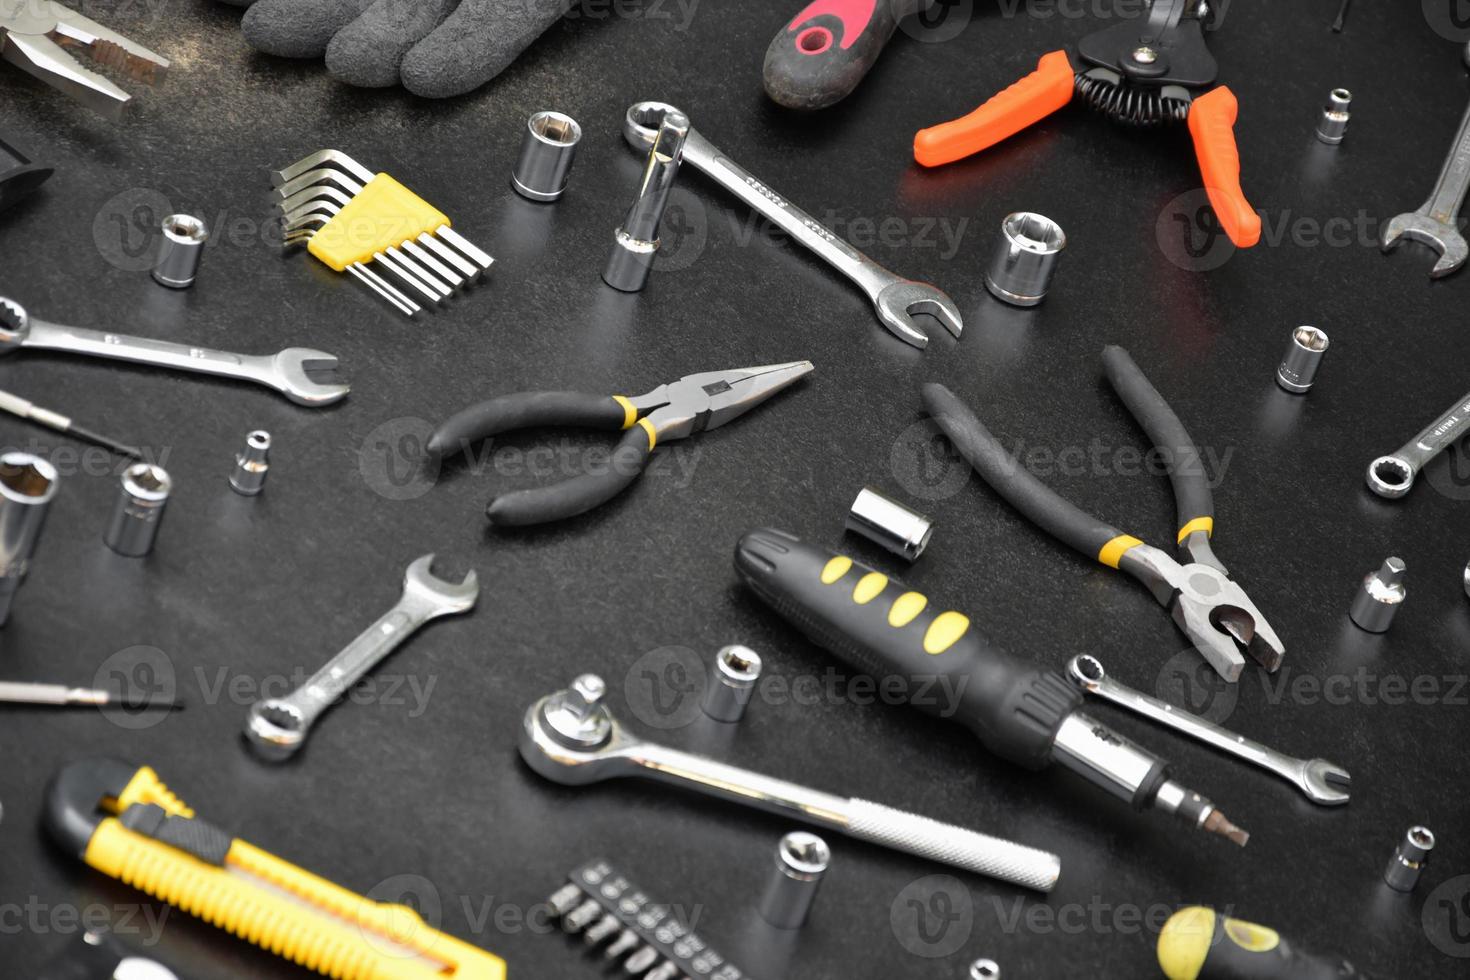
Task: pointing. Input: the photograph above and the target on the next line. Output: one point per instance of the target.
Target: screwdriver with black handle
(1199, 944)
(942, 666)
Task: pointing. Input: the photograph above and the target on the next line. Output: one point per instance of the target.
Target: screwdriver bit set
(654, 941)
(347, 217)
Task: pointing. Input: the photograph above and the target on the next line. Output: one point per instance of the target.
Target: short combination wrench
(1321, 781)
(1392, 476)
(278, 727)
(894, 298)
(285, 371)
(1437, 223)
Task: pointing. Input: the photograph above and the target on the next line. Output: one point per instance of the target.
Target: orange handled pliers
(1143, 72)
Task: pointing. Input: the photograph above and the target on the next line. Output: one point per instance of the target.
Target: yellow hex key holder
(122, 820)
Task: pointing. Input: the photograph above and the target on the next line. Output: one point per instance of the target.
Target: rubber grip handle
(1193, 499)
(527, 410)
(1212, 125)
(917, 652)
(820, 57)
(1198, 944)
(542, 505)
(1025, 103)
(1005, 474)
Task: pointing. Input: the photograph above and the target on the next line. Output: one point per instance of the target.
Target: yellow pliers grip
(144, 836)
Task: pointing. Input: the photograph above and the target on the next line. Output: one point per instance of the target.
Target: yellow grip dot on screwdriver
(835, 569)
(945, 632)
(869, 587)
(906, 609)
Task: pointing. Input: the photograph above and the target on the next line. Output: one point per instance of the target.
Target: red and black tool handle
(818, 58)
(930, 657)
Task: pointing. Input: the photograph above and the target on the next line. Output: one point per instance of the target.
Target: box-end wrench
(571, 738)
(277, 727)
(1321, 781)
(285, 371)
(894, 298)
(1392, 476)
(1437, 223)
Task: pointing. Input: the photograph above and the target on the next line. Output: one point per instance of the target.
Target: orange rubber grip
(1212, 124)
(1025, 103)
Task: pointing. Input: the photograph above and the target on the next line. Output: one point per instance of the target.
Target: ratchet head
(15, 325)
(440, 597)
(288, 375)
(642, 121)
(897, 302)
(1444, 238)
(571, 738)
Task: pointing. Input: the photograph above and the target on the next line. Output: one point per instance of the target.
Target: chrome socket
(184, 238)
(1298, 368)
(548, 151)
(1379, 598)
(984, 970)
(139, 510)
(801, 861)
(27, 486)
(252, 465)
(1025, 258)
(1408, 860)
(1332, 127)
(737, 669)
(889, 524)
(636, 243)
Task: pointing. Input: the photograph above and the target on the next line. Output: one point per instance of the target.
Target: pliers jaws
(697, 402)
(37, 35)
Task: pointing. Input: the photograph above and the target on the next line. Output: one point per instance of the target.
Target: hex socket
(27, 486)
(139, 511)
(1025, 258)
(184, 238)
(801, 861)
(252, 465)
(1332, 127)
(737, 669)
(636, 242)
(1409, 858)
(890, 524)
(1303, 358)
(548, 150)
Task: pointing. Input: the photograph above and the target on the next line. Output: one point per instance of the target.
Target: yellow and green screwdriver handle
(123, 821)
(1199, 944)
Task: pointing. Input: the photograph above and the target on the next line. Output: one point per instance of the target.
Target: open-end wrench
(285, 371)
(571, 738)
(1437, 223)
(894, 298)
(277, 727)
(1320, 780)
(1392, 476)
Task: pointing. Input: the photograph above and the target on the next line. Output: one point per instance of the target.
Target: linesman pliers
(35, 36)
(1207, 605)
(671, 411)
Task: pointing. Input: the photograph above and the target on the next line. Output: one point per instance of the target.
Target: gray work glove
(435, 48)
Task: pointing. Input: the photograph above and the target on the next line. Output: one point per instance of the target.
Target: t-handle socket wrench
(571, 738)
(278, 727)
(1392, 476)
(1320, 780)
(894, 298)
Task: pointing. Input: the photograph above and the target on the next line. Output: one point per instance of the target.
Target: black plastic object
(1175, 35)
(527, 410)
(19, 173)
(74, 799)
(542, 505)
(1063, 519)
(1014, 708)
(818, 58)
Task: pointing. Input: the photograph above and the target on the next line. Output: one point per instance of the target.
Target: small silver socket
(184, 238)
(548, 151)
(139, 510)
(984, 970)
(252, 465)
(1379, 598)
(1332, 127)
(888, 523)
(801, 861)
(1409, 858)
(1025, 258)
(636, 242)
(737, 669)
(1303, 357)
(27, 486)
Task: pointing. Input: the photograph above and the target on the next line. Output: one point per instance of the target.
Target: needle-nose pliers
(1207, 605)
(692, 404)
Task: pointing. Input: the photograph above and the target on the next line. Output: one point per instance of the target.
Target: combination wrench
(894, 298)
(278, 727)
(1392, 476)
(571, 738)
(1437, 223)
(286, 371)
(1321, 781)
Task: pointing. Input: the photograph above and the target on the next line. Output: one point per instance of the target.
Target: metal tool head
(698, 402)
(899, 301)
(15, 325)
(289, 376)
(1324, 782)
(1216, 615)
(1444, 238)
(571, 738)
(39, 37)
(1391, 476)
(443, 597)
(1086, 671)
(322, 176)
(314, 198)
(643, 120)
(318, 160)
(275, 729)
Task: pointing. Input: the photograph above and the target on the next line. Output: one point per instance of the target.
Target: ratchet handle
(927, 656)
(1212, 126)
(1005, 474)
(1024, 104)
(820, 57)
(1193, 499)
(530, 410)
(543, 505)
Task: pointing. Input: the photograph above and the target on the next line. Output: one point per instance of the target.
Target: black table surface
(416, 791)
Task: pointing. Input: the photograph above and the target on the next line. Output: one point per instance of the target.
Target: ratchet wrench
(278, 727)
(894, 298)
(1321, 781)
(285, 371)
(1392, 476)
